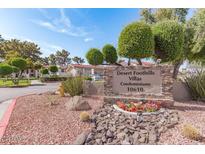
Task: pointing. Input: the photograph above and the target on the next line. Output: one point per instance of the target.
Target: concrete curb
(5, 120)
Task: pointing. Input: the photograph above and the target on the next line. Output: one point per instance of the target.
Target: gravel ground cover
(35, 121)
(190, 113)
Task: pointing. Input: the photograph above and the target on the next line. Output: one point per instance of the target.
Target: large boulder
(77, 103)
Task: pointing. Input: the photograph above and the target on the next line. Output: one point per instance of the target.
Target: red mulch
(35, 121)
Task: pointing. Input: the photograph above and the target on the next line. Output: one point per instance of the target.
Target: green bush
(196, 84)
(136, 41)
(94, 56)
(15, 69)
(19, 62)
(53, 69)
(44, 71)
(109, 53)
(53, 78)
(169, 40)
(5, 69)
(88, 78)
(73, 86)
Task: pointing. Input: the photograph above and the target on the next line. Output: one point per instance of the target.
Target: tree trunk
(176, 69)
(139, 61)
(129, 61)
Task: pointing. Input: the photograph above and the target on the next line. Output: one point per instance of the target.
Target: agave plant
(196, 83)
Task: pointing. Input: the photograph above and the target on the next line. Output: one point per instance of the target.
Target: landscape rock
(80, 140)
(77, 103)
(118, 128)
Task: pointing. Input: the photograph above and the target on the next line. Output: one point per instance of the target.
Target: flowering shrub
(149, 106)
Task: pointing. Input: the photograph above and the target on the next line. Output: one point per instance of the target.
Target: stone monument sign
(137, 81)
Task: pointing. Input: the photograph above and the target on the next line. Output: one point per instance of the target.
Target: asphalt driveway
(10, 93)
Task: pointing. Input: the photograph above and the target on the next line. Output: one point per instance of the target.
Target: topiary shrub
(44, 71)
(5, 70)
(110, 54)
(19, 62)
(84, 116)
(169, 40)
(94, 56)
(53, 69)
(15, 69)
(73, 86)
(191, 132)
(136, 41)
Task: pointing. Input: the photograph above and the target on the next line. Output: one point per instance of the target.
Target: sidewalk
(36, 83)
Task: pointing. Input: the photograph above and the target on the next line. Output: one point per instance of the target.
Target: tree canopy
(19, 62)
(136, 41)
(152, 16)
(62, 57)
(59, 58)
(5, 69)
(94, 56)
(23, 48)
(78, 60)
(110, 54)
(169, 40)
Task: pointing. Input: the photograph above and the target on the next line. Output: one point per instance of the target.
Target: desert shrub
(191, 132)
(109, 53)
(19, 62)
(44, 71)
(5, 70)
(53, 69)
(169, 40)
(73, 86)
(84, 116)
(136, 41)
(196, 84)
(94, 56)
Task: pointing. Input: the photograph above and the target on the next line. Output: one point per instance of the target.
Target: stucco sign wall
(137, 81)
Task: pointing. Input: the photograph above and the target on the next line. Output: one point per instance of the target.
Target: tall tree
(24, 48)
(152, 16)
(196, 38)
(147, 15)
(193, 38)
(52, 59)
(78, 60)
(45, 60)
(62, 57)
(1, 38)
